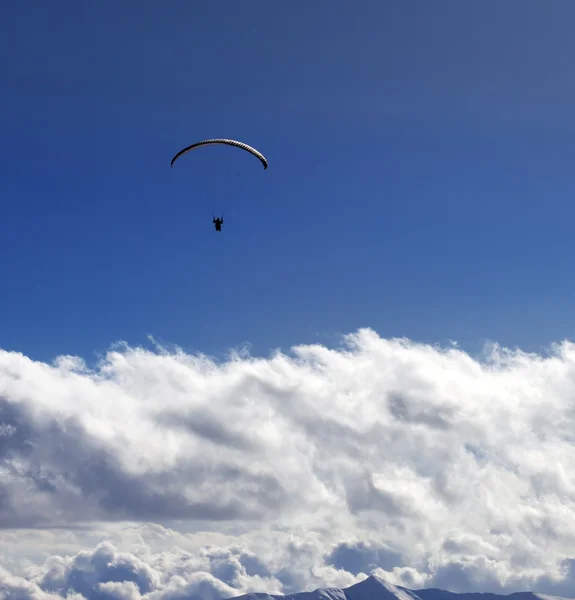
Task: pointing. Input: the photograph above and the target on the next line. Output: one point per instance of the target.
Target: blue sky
(420, 178)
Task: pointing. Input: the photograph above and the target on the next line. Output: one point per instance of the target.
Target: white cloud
(313, 468)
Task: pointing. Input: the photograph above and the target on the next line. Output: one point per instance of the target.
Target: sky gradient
(420, 177)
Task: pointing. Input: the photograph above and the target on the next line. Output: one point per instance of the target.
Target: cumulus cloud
(313, 468)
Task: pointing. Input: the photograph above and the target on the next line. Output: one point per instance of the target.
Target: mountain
(374, 588)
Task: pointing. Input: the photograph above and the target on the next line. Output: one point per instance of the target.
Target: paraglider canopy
(235, 143)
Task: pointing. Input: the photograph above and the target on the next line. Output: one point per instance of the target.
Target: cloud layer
(310, 468)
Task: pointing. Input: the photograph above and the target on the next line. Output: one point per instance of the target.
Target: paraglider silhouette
(218, 222)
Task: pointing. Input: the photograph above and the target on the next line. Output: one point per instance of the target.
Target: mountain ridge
(375, 588)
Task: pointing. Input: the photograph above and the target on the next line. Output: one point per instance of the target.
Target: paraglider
(218, 222)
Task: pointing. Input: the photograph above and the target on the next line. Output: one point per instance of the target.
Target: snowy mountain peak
(375, 588)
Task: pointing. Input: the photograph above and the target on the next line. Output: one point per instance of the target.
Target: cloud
(360, 557)
(106, 573)
(321, 465)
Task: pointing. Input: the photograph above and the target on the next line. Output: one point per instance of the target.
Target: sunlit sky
(420, 177)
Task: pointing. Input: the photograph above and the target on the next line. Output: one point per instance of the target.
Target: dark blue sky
(420, 180)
